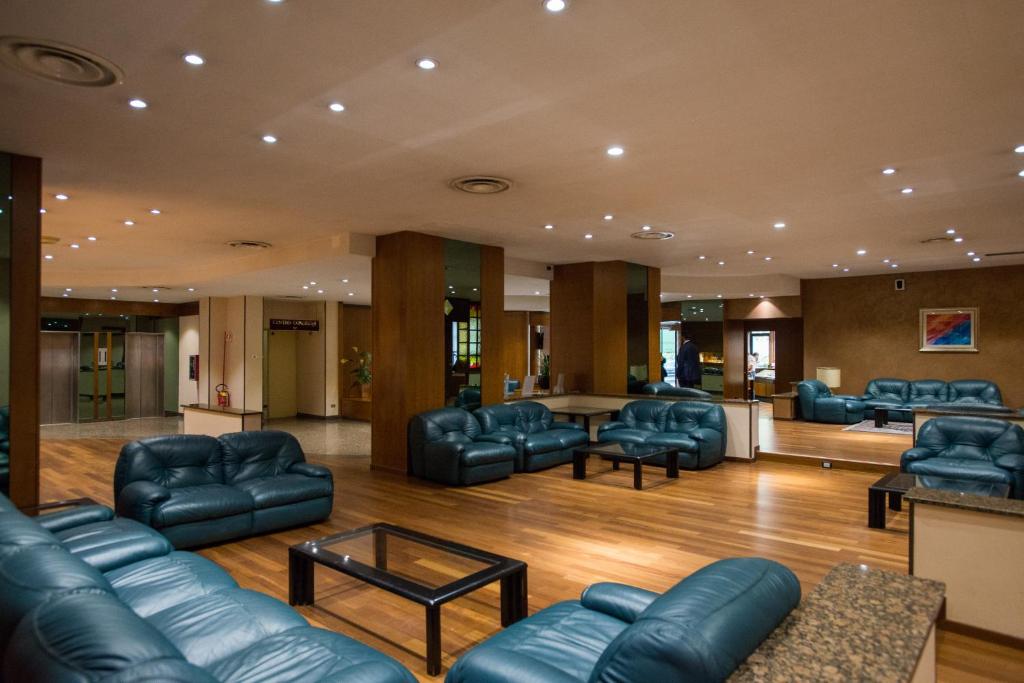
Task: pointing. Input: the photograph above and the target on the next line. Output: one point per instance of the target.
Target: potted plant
(544, 378)
(362, 370)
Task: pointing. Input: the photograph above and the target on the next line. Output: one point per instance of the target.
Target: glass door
(101, 379)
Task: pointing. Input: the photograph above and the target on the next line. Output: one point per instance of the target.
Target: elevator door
(144, 375)
(58, 377)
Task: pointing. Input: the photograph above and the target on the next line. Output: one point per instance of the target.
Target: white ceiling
(734, 115)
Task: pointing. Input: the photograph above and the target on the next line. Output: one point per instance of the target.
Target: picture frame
(948, 330)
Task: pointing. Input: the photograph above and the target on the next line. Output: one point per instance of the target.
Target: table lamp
(830, 377)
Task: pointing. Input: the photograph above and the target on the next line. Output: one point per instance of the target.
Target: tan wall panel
(761, 309)
(867, 329)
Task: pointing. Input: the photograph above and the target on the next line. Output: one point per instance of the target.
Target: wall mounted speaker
(901, 284)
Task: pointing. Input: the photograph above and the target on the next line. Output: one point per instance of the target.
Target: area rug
(906, 428)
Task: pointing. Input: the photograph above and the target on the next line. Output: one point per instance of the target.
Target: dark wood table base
(579, 466)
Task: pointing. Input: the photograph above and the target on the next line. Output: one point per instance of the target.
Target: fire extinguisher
(223, 396)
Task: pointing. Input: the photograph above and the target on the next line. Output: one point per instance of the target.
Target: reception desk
(201, 418)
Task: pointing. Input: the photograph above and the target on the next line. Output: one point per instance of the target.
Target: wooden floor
(571, 533)
(827, 442)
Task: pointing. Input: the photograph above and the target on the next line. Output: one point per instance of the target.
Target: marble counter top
(858, 624)
(965, 501)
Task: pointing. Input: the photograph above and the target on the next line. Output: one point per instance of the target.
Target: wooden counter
(201, 418)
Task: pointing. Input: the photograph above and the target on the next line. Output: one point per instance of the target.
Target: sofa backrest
(685, 416)
(502, 418)
(255, 455)
(930, 390)
(666, 389)
(975, 391)
(889, 389)
(705, 626)
(468, 399)
(533, 417)
(970, 438)
(443, 424)
(648, 415)
(808, 391)
(171, 461)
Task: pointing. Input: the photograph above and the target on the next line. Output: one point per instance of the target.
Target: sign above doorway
(295, 325)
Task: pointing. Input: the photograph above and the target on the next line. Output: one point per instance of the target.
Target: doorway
(761, 364)
(282, 364)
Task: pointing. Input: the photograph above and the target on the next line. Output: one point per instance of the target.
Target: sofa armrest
(915, 454)
(496, 437)
(849, 397)
(500, 665)
(618, 600)
(1011, 461)
(442, 461)
(138, 499)
(309, 470)
(74, 517)
(609, 426)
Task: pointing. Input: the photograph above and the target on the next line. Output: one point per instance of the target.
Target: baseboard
(981, 634)
(835, 464)
(322, 418)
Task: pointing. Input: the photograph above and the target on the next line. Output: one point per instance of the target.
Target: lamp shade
(830, 376)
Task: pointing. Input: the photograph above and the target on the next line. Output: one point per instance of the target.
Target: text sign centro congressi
(295, 325)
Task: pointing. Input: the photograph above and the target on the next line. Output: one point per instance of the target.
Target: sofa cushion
(554, 440)
(646, 415)
(284, 489)
(895, 391)
(502, 418)
(309, 654)
(534, 417)
(484, 453)
(952, 468)
(115, 543)
(624, 435)
(18, 532)
(171, 461)
(974, 391)
(561, 642)
(199, 503)
(928, 392)
(258, 454)
(158, 583)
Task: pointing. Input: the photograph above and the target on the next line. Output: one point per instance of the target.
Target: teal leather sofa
(696, 428)
(974, 448)
(73, 612)
(819, 404)
(448, 446)
(530, 428)
(468, 399)
(666, 389)
(699, 630)
(901, 396)
(197, 490)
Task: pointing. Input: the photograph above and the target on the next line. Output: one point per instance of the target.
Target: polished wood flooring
(571, 533)
(817, 441)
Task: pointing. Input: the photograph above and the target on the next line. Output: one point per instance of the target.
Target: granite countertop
(858, 624)
(966, 501)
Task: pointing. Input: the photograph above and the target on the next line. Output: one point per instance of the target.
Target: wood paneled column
(492, 313)
(408, 340)
(654, 324)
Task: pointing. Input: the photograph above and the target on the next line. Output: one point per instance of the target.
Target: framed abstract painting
(949, 329)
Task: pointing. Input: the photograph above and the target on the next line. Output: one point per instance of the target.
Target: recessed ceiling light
(549, 227)
(616, 151)
(751, 296)
(63, 197)
(861, 252)
(344, 280)
(191, 289)
(779, 226)
(1019, 149)
(275, 2)
(895, 265)
(976, 259)
(1021, 174)
(68, 289)
(646, 227)
(65, 295)
(269, 139)
(588, 236)
(91, 238)
(155, 290)
(74, 245)
(351, 293)
(717, 296)
(846, 270)
(750, 252)
(42, 210)
(721, 263)
(113, 298)
(336, 107)
(155, 212)
(762, 296)
(888, 171)
(970, 253)
(701, 257)
(475, 289)
(537, 293)
(319, 291)
(48, 257)
(689, 296)
(312, 283)
(555, 5)
(835, 265)
(305, 286)
(194, 59)
(885, 260)
(907, 190)
(767, 258)
(137, 103)
(114, 290)
(958, 240)
(426, 63)
(608, 216)
(156, 301)
(950, 231)
(129, 223)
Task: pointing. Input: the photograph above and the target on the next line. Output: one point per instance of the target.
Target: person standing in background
(688, 363)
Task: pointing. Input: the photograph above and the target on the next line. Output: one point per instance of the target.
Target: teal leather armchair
(447, 446)
(818, 404)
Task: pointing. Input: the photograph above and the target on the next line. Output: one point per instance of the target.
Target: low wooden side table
(785, 406)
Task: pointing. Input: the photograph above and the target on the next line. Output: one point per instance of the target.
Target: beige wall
(188, 345)
(315, 390)
(867, 329)
(242, 317)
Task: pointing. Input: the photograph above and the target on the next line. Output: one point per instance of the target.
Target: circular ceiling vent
(653, 235)
(249, 244)
(49, 239)
(58, 62)
(480, 184)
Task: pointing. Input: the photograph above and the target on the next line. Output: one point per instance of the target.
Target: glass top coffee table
(425, 569)
(896, 484)
(637, 454)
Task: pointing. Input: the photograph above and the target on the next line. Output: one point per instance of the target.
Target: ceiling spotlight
(64, 295)
(155, 212)
(74, 245)
(958, 240)
(751, 296)
(536, 293)
(68, 289)
(114, 290)
(194, 59)
(750, 252)
(191, 289)
(767, 258)
(156, 301)
(608, 216)
(113, 298)
(779, 226)
(312, 283)
(721, 263)
(835, 265)
(156, 289)
(549, 227)
(555, 6)
(717, 296)
(137, 104)
(42, 210)
(588, 236)
(1019, 149)
(701, 257)
(907, 190)
(846, 270)
(351, 293)
(63, 197)
(1021, 174)
(970, 253)
(336, 107)
(762, 296)
(344, 280)
(129, 223)
(48, 257)
(616, 151)
(426, 63)
(646, 227)
(976, 259)
(861, 252)
(689, 296)
(305, 286)
(895, 265)
(950, 231)
(91, 238)
(319, 291)
(269, 139)
(885, 260)
(888, 171)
